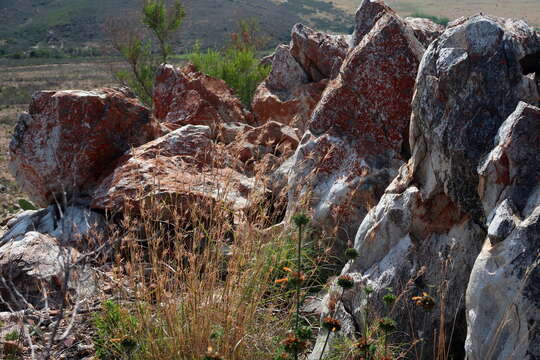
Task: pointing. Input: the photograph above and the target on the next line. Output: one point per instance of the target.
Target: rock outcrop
(414, 143)
(286, 96)
(299, 75)
(184, 96)
(180, 168)
(319, 54)
(357, 134)
(503, 295)
(69, 139)
(273, 141)
(428, 228)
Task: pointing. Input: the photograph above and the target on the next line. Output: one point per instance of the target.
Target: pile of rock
(414, 143)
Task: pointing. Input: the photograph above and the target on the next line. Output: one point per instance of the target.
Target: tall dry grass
(198, 279)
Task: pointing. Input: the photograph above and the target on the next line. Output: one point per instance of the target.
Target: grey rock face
(72, 225)
(469, 82)
(426, 232)
(33, 270)
(503, 295)
(286, 73)
(320, 54)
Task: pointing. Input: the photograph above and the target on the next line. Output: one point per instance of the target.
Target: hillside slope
(76, 23)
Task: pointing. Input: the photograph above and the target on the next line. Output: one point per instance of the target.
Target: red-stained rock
(185, 96)
(286, 96)
(354, 144)
(182, 168)
(272, 138)
(425, 30)
(70, 139)
(293, 109)
(367, 15)
(319, 54)
(229, 132)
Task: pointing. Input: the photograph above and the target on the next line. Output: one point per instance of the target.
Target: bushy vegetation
(237, 64)
(436, 19)
(138, 46)
(239, 68)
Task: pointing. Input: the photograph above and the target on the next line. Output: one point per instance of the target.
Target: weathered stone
(424, 29)
(291, 108)
(70, 139)
(271, 138)
(367, 15)
(286, 96)
(73, 225)
(185, 96)
(472, 73)
(286, 74)
(319, 54)
(356, 136)
(35, 267)
(181, 167)
(427, 229)
(229, 132)
(503, 297)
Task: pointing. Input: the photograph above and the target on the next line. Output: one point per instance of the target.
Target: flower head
(351, 253)
(212, 355)
(387, 325)
(331, 324)
(368, 289)
(293, 344)
(389, 299)
(345, 281)
(300, 219)
(425, 301)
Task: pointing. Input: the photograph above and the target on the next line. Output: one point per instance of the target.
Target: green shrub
(436, 19)
(114, 332)
(239, 68)
(13, 336)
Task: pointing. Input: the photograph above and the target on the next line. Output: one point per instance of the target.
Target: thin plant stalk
(324, 346)
(299, 271)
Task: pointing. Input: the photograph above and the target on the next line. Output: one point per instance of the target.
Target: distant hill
(79, 23)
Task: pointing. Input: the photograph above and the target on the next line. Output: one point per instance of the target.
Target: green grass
(114, 328)
(13, 336)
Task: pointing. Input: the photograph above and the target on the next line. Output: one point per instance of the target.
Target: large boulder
(70, 139)
(34, 269)
(503, 295)
(427, 230)
(178, 169)
(184, 96)
(287, 95)
(357, 134)
(319, 54)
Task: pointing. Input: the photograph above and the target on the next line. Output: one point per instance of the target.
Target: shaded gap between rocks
(530, 64)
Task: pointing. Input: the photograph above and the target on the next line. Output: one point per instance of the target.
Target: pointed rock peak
(369, 12)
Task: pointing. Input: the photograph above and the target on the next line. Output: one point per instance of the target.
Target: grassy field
(452, 9)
